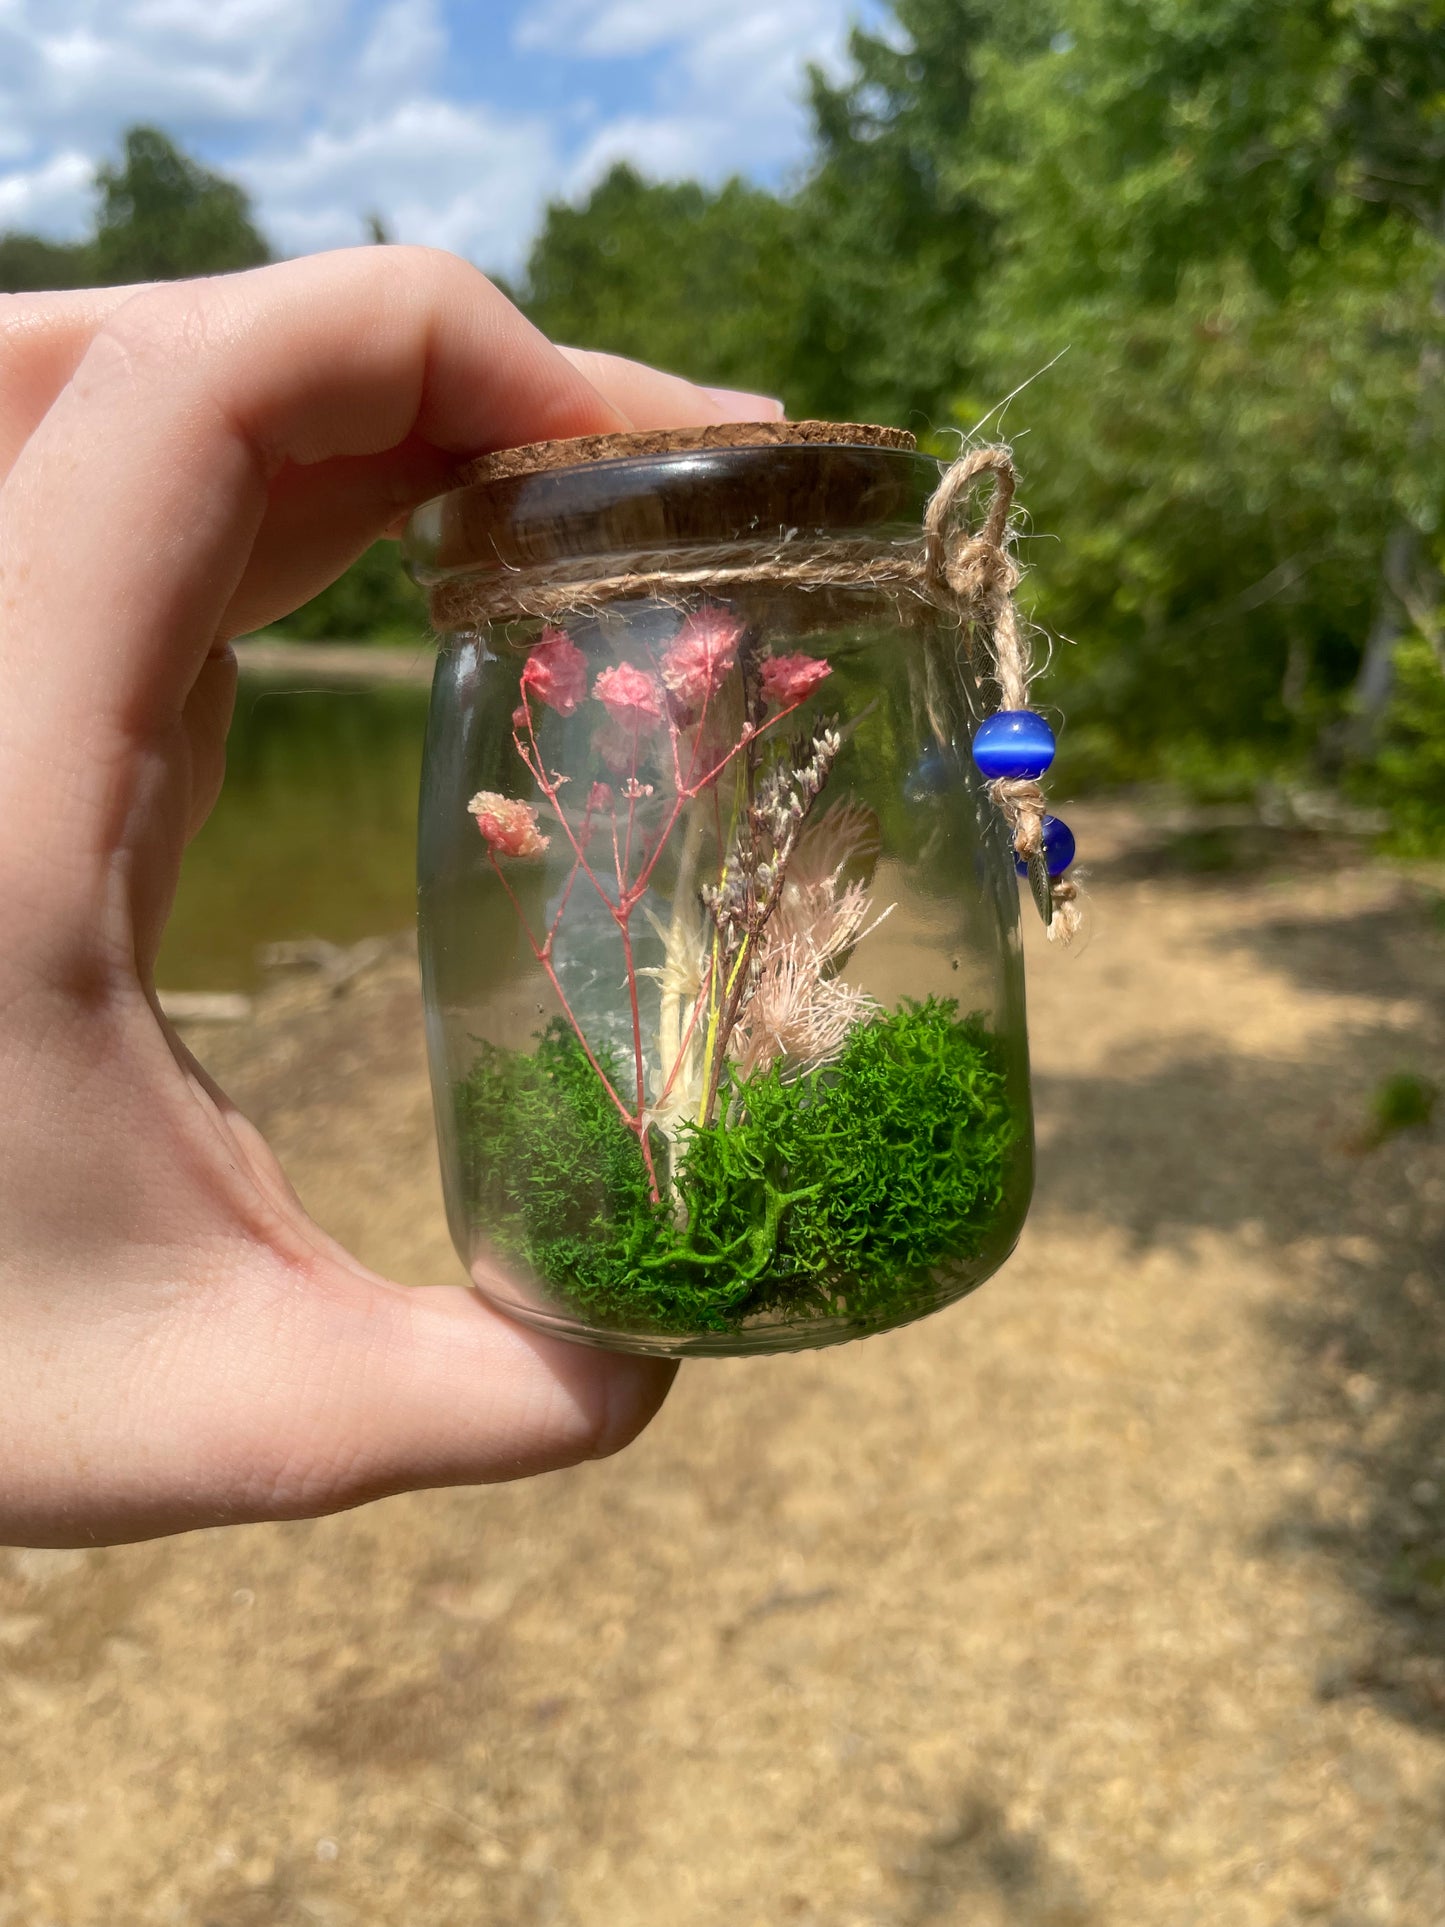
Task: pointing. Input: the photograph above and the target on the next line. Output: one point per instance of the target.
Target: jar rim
(534, 458)
(709, 495)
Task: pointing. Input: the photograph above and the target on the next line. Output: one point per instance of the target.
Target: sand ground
(1112, 1597)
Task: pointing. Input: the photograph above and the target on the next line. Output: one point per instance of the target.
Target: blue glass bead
(1059, 847)
(1013, 742)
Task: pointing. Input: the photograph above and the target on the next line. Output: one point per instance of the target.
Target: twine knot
(976, 569)
(1022, 802)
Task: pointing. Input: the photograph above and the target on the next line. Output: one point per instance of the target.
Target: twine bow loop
(978, 570)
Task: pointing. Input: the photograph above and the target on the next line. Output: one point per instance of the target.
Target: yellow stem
(714, 1005)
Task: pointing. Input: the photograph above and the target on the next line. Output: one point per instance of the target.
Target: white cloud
(74, 72)
(53, 198)
(331, 103)
(327, 110)
(621, 26)
(218, 23)
(464, 178)
(402, 52)
(729, 92)
(706, 38)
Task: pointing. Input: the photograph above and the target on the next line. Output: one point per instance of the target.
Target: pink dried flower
(556, 672)
(599, 797)
(631, 698)
(509, 827)
(796, 1013)
(846, 837)
(788, 680)
(701, 654)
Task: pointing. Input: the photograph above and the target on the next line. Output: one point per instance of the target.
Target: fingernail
(740, 406)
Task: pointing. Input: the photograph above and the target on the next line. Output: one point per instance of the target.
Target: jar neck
(673, 524)
(477, 597)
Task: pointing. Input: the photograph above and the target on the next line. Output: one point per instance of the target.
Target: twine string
(981, 573)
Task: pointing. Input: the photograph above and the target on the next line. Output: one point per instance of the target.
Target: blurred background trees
(159, 216)
(1207, 240)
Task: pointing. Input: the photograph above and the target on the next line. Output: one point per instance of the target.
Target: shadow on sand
(1283, 1152)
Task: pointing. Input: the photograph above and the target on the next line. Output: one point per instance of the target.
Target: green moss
(841, 1191)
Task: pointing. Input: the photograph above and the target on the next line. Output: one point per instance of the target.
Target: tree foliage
(160, 216)
(29, 264)
(701, 282)
(1210, 236)
(163, 216)
(1212, 224)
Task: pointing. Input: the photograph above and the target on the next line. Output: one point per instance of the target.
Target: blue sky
(455, 121)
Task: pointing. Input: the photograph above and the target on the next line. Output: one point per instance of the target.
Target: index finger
(128, 517)
(42, 338)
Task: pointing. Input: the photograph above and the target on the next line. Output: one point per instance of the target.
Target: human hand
(179, 1344)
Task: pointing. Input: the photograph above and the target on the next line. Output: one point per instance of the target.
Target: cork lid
(538, 458)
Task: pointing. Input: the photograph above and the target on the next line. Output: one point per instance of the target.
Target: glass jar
(719, 924)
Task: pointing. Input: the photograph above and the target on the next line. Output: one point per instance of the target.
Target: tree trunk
(1409, 589)
(1377, 668)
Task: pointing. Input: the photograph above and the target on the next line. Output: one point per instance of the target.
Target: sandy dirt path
(1113, 1597)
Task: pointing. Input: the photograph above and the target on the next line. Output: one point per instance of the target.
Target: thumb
(184, 1347)
(293, 1390)
(356, 1387)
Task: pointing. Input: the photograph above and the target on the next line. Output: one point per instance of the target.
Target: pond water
(314, 834)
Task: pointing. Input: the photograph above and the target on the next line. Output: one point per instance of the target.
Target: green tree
(29, 264)
(163, 216)
(1407, 772)
(1225, 219)
(1235, 213)
(1207, 233)
(702, 282)
(160, 216)
(896, 240)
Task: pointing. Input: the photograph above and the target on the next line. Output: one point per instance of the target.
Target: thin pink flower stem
(631, 806)
(638, 1125)
(692, 790)
(644, 875)
(534, 767)
(748, 736)
(672, 729)
(635, 1121)
(700, 735)
(626, 903)
(545, 960)
(617, 857)
(556, 922)
(587, 815)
